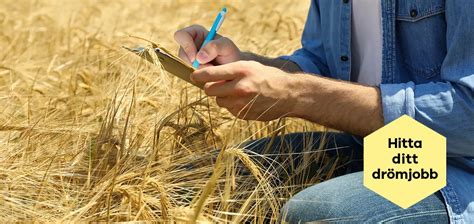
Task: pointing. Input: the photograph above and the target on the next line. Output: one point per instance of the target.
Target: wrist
(246, 56)
(307, 89)
(296, 99)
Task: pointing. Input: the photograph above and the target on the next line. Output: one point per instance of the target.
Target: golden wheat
(89, 132)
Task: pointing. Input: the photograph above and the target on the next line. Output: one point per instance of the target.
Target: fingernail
(202, 56)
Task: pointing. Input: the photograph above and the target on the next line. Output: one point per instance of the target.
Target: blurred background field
(89, 132)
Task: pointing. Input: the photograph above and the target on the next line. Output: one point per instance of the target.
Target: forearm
(285, 65)
(345, 106)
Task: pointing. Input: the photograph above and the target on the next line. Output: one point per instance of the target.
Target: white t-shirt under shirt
(366, 66)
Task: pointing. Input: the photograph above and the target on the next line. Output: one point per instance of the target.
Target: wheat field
(92, 133)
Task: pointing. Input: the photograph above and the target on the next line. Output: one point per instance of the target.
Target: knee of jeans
(296, 211)
(287, 211)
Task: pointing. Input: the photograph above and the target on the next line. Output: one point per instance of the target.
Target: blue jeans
(343, 199)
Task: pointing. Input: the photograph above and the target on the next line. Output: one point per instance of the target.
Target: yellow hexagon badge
(405, 161)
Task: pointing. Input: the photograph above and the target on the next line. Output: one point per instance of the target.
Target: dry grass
(89, 132)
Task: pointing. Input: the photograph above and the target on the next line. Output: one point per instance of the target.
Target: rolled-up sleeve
(311, 58)
(304, 60)
(447, 106)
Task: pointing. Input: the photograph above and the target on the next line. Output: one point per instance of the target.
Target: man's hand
(248, 89)
(252, 91)
(219, 51)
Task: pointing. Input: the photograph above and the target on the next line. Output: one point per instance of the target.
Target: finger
(183, 55)
(206, 65)
(239, 107)
(215, 73)
(213, 49)
(220, 89)
(186, 41)
(225, 102)
(188, 37)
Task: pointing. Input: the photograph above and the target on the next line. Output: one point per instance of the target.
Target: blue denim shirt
(427, 73)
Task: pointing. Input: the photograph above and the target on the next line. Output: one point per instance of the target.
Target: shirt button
(413, 13)
(344, 58)
(345, 1)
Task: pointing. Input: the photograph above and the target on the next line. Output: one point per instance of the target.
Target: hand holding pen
(213, 48)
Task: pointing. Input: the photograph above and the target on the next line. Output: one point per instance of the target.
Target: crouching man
(362, 64)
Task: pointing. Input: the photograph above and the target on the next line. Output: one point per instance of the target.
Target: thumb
(219, 47)
(208, 53)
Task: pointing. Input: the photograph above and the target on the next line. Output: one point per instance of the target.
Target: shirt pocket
(421, 37)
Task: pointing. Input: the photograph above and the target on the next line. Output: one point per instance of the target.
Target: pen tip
(224, 9)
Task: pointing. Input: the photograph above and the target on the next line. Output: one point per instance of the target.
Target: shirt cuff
(397, 100)
(305, 64)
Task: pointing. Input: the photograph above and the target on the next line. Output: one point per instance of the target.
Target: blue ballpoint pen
(212, 33)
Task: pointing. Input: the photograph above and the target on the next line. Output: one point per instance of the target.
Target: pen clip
(221, 20)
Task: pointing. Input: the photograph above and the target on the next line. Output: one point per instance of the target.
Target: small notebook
(169, 61)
